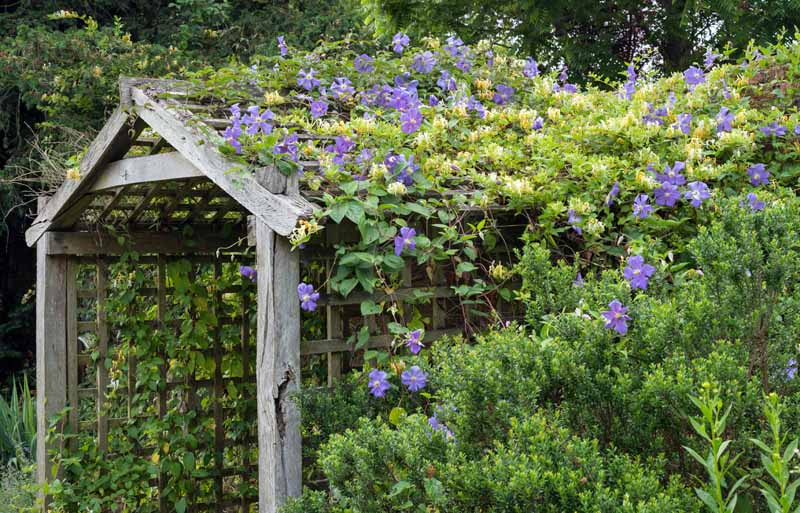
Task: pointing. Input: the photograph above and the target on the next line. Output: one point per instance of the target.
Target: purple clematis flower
(306, 80)
(694, 76)
(446, 81)
(464, 64)
(256, 122)
(579, 281)
(248, 272)
(726, 93)
(791, 369)
(405, 240)
(758, 175)
(638, 273)
(574, 220)
(474, 104)
(319, 108)
(410, 121)
(433, 101)
(684, 123)
(454, 45)
(378, 384)
(414, 378)
(755, 204)
(616, 317)
(399, 42)
(503, 94)
(797, 129)
(308, 298)
(773, 128)
(628, 89)
(287, 147)
(282, 46)
(724, 119)
(672, 174)
(641, 206)
(232, 134)
(424, 62)
(667, 195)
(414, 341)
(538, 123)
(697, 193)
(710, 57)
(613, 193)
(531, 68)
(364, 63)
(436, 425)
(342, 87)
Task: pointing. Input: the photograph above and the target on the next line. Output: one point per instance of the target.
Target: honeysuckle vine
(408, 139)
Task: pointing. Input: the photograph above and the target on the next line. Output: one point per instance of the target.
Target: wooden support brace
(277, 370)
(51, 349)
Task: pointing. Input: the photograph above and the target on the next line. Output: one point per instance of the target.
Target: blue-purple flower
(410, 121)
(684, 123)
(667, 195)
(755, 204)
(405, 240)
(672, 174)
(641, 206)
(319, 108)
(503, 94)
(791, 369)
(538, 123)
(574, 220)
(414, 341)
(232, 134)
(433, 101)
(758, 175)
(773, 128)
(446, 81)
(258, 122)
(399, 42)
(616, 317)
(308, 297)
(282, 46)
(287, 147)
(578, 281)
(531, 68)
(454, 45)
(710, 57)
(473, 104)
(306, 79)
(697, 193)
(694, 76)
(414, 378)
(424, 62)
(638, 273)
(378, 383)
(437, 426)
(613, 193)
(364, 63)
(724, 119)
(342, 87)
(248, 272)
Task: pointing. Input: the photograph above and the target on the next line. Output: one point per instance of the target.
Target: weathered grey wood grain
(279, 212)
(166, 243)
(111, 144)
(277, 370)
(51, 349)
(139, 170)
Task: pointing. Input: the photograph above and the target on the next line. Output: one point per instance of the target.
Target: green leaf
(369, 307)
(465, 267)
(180, 506)
(396, 415)
(363, 338)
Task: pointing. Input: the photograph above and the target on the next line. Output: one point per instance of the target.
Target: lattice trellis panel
(111, 390)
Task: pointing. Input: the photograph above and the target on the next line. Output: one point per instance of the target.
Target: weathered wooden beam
(111, 144)
(165, 243)
(277, 370)
(51, 350)
(280, 212)
(139, 170)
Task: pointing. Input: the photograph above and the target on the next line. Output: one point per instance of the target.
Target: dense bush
(567, 415)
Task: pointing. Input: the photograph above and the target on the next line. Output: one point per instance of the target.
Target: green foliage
(669, 34)
(17, 425)
(17, 490)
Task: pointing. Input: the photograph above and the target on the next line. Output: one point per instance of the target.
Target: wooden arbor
(180, 179)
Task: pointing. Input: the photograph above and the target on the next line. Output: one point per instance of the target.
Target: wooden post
(277, 369)
(51, 347)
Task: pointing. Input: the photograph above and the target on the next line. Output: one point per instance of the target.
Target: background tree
(592, 36)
